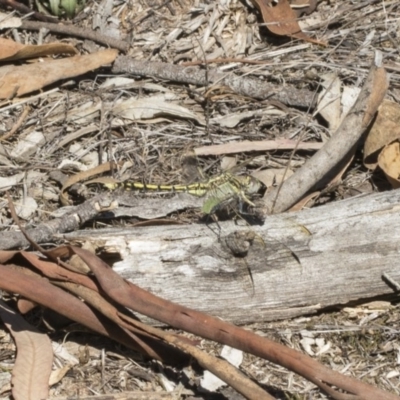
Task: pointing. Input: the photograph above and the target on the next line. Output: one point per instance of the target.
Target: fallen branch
(48, 231)
(336, 153)
(136, 299)
(347, 241)
(245, 86)
(218, 367)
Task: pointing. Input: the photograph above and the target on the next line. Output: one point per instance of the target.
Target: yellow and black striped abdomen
(195, 189)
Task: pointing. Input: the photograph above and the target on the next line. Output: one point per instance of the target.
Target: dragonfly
(217, 191)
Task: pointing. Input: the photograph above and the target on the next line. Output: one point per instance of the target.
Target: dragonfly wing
(210, 204)
(219, 196)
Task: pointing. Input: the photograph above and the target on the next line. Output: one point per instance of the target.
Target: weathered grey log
(338, 253)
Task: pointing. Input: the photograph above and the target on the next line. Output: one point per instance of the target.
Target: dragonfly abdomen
(195, 189)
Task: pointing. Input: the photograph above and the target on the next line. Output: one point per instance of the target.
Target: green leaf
(70, 7)
(60, 8)
(55, 7)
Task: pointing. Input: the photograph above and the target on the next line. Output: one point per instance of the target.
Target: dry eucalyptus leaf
(389, 162)
(26, 208)
(137, 109)
(228, 163)
(385, 130)
(329, 100)
(17, 80)
(282, 20)
(11, 51)
(336, 100)
(233, 147)
(34, 359)
(10, 181)
(272, 176)
(233, 119)
(28, 145)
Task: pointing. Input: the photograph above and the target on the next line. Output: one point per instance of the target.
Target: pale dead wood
(257, 145)
(245, 86)
(121, 204)
(48, 231)
(338, 254)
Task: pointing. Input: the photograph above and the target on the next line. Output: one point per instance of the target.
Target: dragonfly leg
(243, 199)
(214, 218)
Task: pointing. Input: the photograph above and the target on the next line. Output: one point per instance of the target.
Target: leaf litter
(83, 113)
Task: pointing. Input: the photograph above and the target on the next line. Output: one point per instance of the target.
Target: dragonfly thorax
(249, 184)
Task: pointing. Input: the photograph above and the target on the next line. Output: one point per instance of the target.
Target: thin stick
(78, 32)
(222, 60)
(17, 125)
(22, 8)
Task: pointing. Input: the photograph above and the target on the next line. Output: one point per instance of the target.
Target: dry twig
(26, 10)
(71, 30)
(17, 125)
(48, 230)
(245, 86)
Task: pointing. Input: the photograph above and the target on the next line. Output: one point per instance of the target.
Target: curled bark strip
(150, 341)
(334, 155)
(245, 86)
(32, 286)
(133, 327)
